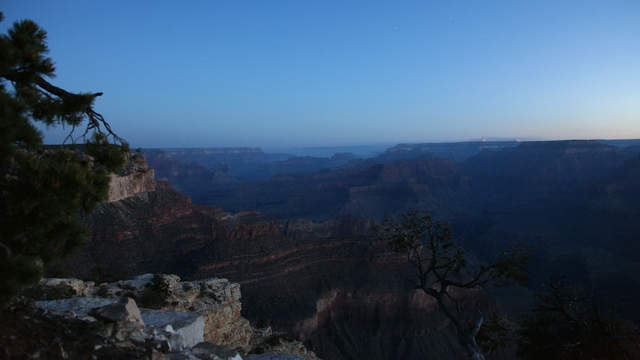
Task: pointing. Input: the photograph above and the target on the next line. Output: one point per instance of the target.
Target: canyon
(329, 283)
(304, 249)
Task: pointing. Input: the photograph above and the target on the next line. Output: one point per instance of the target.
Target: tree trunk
(470, 343)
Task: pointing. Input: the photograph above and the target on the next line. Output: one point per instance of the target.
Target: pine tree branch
(96, 121)
(61, 93)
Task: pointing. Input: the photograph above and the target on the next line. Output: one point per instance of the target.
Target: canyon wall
(330, 283)
(136, 177)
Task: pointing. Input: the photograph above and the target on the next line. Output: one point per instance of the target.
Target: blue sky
(309, 73)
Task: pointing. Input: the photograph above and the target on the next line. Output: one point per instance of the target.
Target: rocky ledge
(148, 317)
(134, 178)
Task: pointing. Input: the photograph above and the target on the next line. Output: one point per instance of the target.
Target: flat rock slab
(78, 306)
(125, 310)
(188, 326)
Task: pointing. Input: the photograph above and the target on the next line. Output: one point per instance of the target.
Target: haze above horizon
(293, 73)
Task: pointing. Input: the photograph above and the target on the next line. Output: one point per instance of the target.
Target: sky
(273, 73)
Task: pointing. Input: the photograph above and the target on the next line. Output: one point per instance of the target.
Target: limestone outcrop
(216, 300)
(135, 177)
(148, 317)
(121, 324)
(56, 288)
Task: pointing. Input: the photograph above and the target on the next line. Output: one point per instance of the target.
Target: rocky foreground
(148, 317)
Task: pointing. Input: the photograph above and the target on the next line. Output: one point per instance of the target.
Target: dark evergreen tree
(44, 189)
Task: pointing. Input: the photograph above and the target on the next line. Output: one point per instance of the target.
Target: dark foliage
(565, 323)
(44, 190)
(156, 294)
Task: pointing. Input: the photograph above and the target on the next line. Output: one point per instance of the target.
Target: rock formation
(136, 177)
(217, 301)
(187, 320)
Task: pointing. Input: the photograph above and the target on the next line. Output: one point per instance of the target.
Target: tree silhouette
(441, 265)
(44, 189)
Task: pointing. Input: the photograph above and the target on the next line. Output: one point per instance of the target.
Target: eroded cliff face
(387, 324)
(135, 178)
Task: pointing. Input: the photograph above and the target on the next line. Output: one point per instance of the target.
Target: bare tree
(441, 265)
